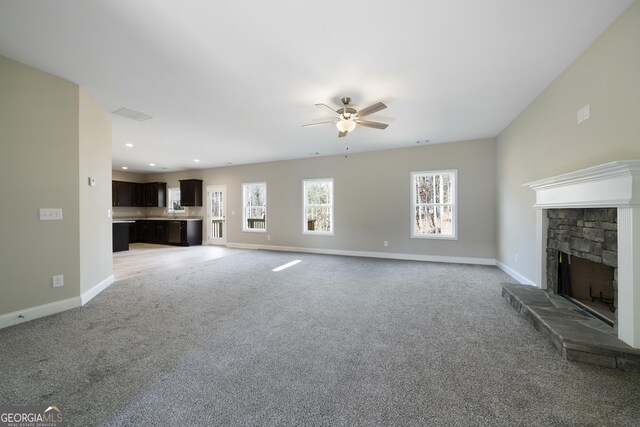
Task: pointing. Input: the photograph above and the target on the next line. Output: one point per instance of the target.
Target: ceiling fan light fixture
(345, 125)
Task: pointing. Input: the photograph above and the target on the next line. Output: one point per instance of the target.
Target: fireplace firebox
(587, 284)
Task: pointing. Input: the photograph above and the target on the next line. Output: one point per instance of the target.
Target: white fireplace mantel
(615, 185)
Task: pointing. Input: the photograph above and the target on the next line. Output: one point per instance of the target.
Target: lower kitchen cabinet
(160, 232)
(133, 232)
(150, 231)
(185, 233)
(172, 232)
(143, 231)
(120, 237)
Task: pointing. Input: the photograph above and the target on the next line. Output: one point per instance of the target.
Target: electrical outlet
(57, 281)
(47, 214)
(386, 243)
(268, 237)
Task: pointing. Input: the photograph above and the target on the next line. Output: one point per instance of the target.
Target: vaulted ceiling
(232, 82)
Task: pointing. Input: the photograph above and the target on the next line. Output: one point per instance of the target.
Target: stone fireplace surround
(611, 185)
(590, 234)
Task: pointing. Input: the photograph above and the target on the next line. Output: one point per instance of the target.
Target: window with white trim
(254, 200)
(434, 211)
(173, 204)
(318, 206)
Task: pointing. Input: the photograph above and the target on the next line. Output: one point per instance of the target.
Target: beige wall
(120, 175)
(38, 169)
(53, 137)
(545, 139)
(372, 199)
(96, 260)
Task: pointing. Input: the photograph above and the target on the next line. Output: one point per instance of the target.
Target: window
(318, 206)
(254, 200)
(433, 211)
(174, 201)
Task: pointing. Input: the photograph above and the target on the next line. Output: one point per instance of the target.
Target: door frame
(222, 241)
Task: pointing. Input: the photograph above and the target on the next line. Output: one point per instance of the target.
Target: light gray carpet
(331, 341)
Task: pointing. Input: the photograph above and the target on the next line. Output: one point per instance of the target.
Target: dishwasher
(175, 228)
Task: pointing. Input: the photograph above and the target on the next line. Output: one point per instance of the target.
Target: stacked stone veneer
(587, 233)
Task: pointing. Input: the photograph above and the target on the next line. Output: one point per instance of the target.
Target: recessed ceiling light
(125, 168)
(196, 160)
(128, 144)
(152, 164)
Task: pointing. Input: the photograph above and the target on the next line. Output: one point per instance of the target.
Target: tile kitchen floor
(142, 258)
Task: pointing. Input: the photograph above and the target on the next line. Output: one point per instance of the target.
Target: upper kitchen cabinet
(153, 194)
(191, 192)
(121, 193)
(136, 197)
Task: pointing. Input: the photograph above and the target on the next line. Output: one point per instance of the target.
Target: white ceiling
(232, 82)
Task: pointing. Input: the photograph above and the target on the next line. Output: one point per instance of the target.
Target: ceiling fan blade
(341, 134)
(319, 123)
(376, 125)
(371, 109)
(326, 106)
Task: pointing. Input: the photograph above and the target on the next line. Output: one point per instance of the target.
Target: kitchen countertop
(156, 218)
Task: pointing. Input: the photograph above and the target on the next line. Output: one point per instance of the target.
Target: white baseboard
(88, 295)
(511, 272)
(32, 313)
(386, 255)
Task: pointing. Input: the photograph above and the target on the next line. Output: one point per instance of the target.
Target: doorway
(217, 215)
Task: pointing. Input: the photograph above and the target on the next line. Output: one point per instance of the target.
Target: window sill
(317, 233)
(434, 237)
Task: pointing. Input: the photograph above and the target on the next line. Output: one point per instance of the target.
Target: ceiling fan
(347, 117)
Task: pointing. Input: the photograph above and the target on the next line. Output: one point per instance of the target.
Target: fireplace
(582, 258)
(606, 191)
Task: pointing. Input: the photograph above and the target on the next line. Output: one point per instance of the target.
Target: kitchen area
(156, 218)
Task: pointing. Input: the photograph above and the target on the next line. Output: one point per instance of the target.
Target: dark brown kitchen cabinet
(153, 194)
(143, 231)
(120, 237)
(150, 231)
(133, 232)
(121, 193)
(191, 192)
(135, 194)
(185, 233)
(160, 232)
(172, 232)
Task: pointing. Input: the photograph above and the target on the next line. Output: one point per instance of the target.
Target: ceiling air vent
(132, 114)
